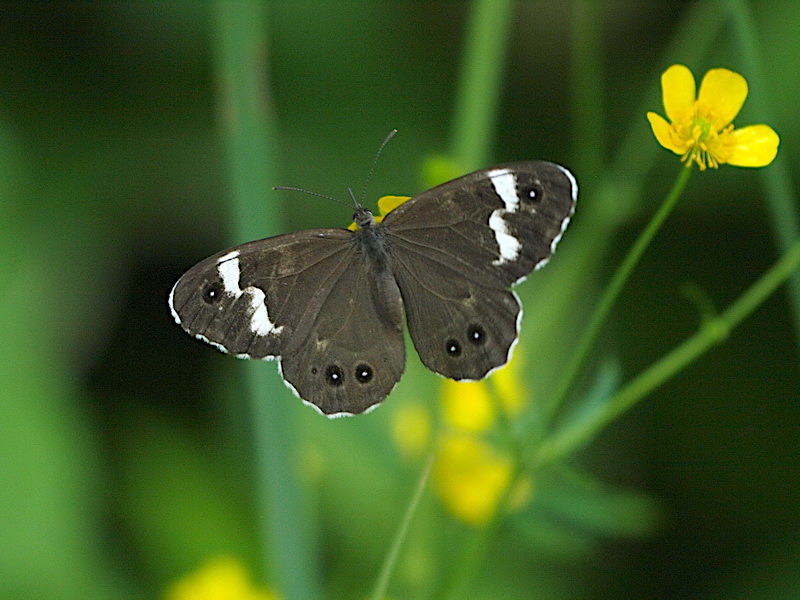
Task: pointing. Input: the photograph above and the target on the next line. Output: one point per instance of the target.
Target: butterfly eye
(212, 293)
(334, 375)
(476, 335)
(453, 347)
(363, 373)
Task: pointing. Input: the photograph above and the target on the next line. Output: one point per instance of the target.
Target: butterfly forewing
(458, 248)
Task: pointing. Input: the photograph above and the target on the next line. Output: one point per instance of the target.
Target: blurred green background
(126, 447)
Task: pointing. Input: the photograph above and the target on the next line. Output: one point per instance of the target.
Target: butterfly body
(330, 303)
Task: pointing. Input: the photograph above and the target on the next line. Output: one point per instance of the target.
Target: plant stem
(476, 549)
(587, 83)
(612, 291)
(777, 180)
(479, 84)
(389, 563)
(712, 332)
(248, 134)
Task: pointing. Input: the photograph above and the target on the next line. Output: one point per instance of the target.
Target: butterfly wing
(308, 299)
(458, 248)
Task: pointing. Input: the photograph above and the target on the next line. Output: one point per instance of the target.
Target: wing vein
(440, 256)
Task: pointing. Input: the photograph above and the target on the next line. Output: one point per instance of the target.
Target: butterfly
(329, 304)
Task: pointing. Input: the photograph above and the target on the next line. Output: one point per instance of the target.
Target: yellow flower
(471, 473)
(386, 204)
(470, 476)
(701, 126)
(469, 405)
(221, 578)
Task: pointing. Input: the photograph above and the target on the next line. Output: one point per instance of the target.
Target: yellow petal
(221, 577)
(753, 146)
(663, 132)
(387, 204)
(467, 405)
(722, 94)
(677, 91)
(470, 477)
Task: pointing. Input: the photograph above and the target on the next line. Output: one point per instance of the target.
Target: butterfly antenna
(375, 162)
(349, 190)
(309, 192)
(353, 196)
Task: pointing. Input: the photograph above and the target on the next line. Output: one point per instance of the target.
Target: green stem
(781, 200)
(612, 291)
(389, 563)
(712, 332)
(479, 545)
(586, 89)
(479, 84)
(248, 135)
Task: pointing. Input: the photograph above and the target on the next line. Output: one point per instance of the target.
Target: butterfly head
(363, 218)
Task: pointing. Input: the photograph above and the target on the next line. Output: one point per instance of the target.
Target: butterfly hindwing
(355, 353)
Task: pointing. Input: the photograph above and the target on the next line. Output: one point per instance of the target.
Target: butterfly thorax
(370, 240)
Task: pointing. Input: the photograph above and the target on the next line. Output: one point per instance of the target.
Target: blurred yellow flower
(386, 204)
(470, 476)
(467, 405)
(471, 473)
(700, 127)
(221, 578)
(471, 405)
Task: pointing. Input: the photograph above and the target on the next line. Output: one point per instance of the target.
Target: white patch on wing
(229, 273)
(505, 184)
(509, 245)
(260, 323)
(228, 256)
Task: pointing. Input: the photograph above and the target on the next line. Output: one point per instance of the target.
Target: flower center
(701, 129)
(705, 145)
